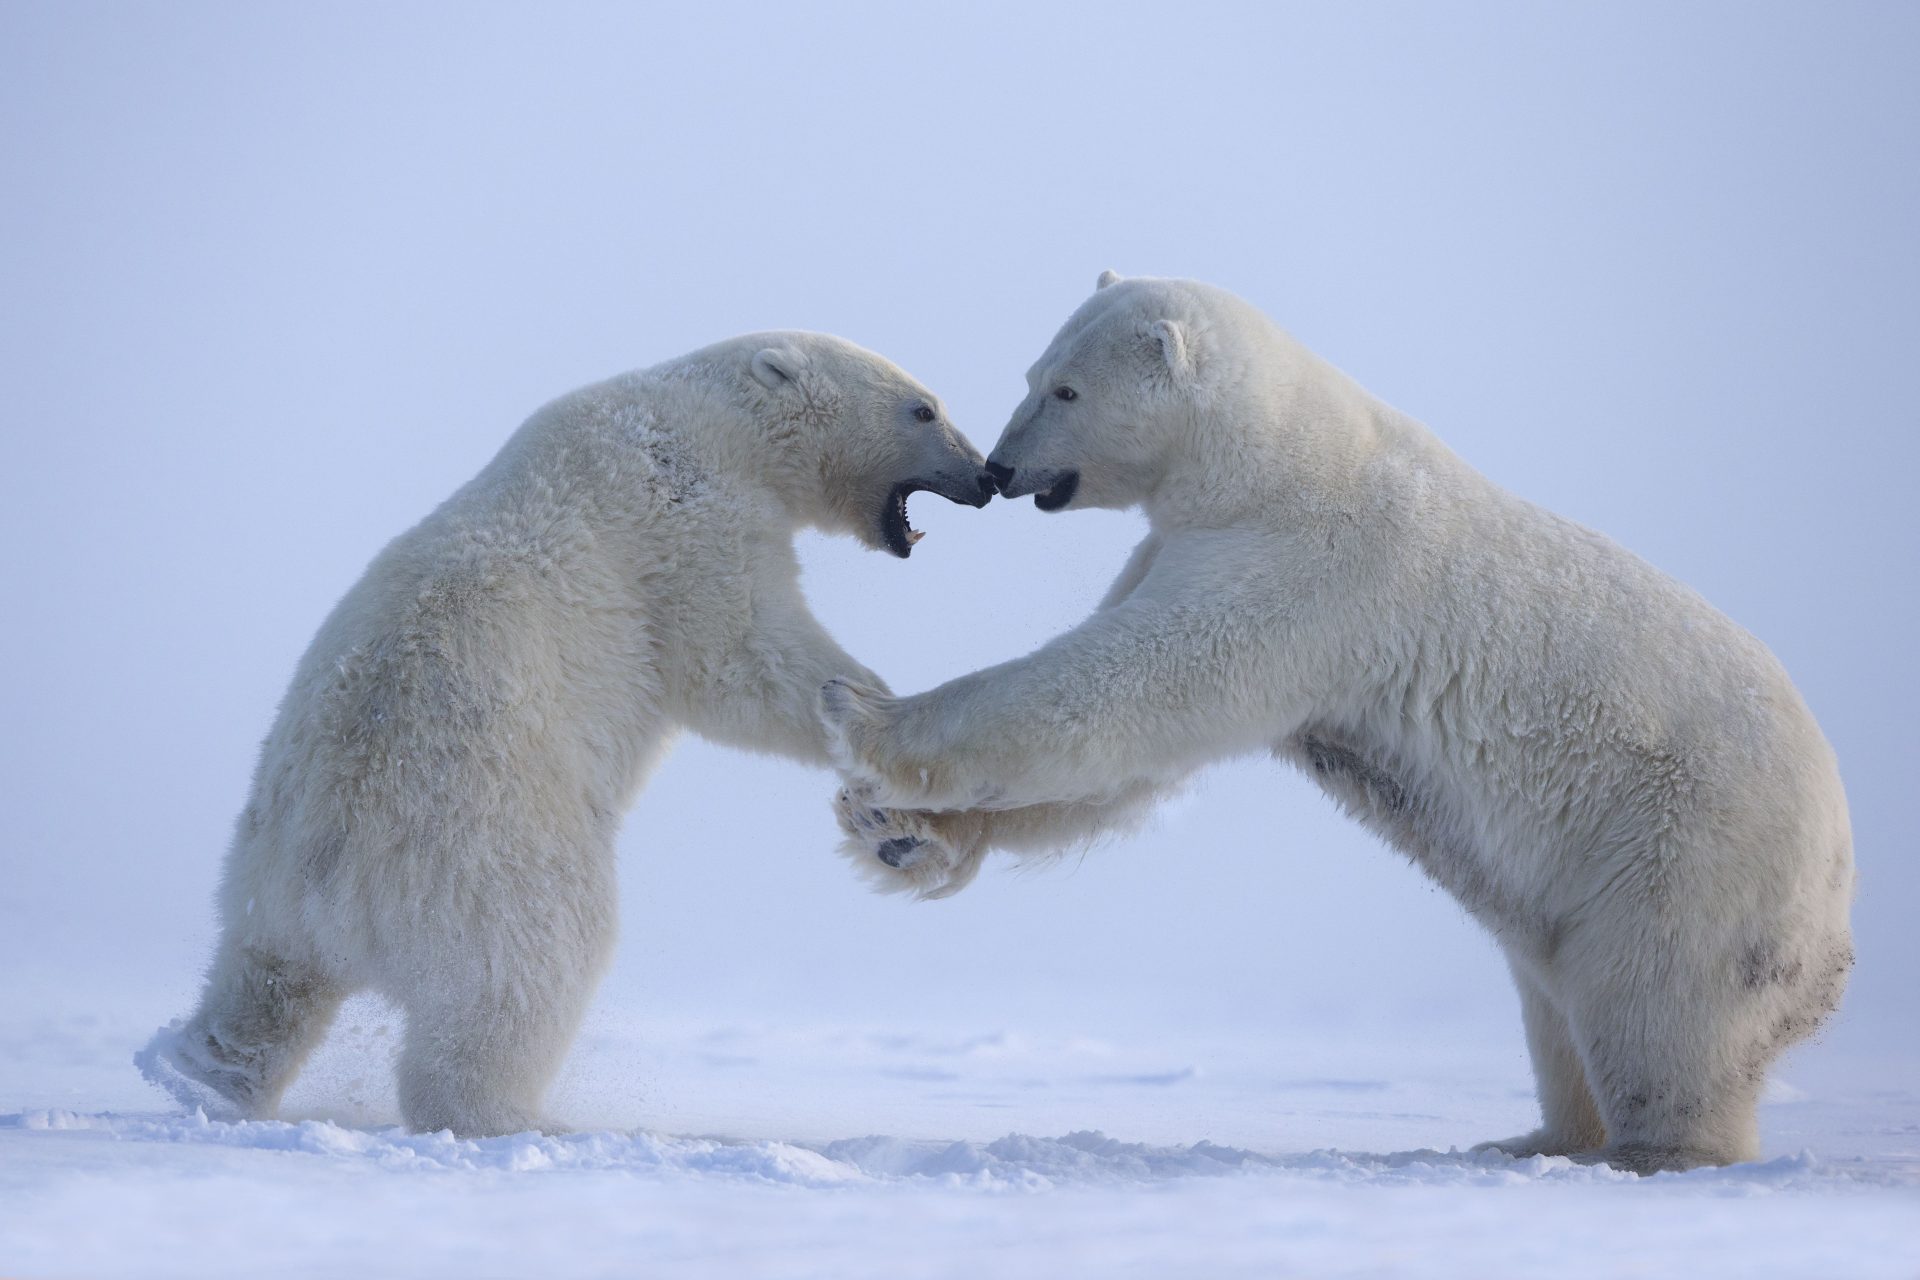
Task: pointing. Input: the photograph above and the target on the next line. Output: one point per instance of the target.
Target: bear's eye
(923, 414)
(1065, 393)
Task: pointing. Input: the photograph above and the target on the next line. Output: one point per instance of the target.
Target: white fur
(1610, 775)
(433, 813)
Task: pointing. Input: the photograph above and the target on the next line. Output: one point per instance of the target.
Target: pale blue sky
(277, 280)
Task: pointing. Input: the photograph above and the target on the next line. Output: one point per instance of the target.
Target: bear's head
(1113, 400)
(859, 436)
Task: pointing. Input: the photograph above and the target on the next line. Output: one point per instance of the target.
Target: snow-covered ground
(796, 1151)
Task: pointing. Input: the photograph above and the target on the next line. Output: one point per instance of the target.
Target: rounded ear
(1172, 341)
(777, 367)
(1107, 277)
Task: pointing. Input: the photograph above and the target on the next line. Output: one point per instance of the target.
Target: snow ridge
(1015, 1163)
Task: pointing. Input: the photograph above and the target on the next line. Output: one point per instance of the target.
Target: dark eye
(923, 414)
(1065, 393)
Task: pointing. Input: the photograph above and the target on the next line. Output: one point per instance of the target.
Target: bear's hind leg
(483, 1044)
(260, 1015)
(1569, 1119)
(480, 1066)
(1672, 1074)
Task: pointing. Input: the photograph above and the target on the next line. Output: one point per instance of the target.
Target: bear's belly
(1413, 815)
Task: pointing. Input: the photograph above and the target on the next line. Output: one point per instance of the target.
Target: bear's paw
(900, 850)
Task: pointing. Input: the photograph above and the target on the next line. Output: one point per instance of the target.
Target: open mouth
(894, 529)
(965, 487)
(1060, 494)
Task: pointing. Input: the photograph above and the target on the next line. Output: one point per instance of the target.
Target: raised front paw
(863, 738)
(899, 838)
(902, 850)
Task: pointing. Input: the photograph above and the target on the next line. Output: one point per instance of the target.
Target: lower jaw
(1059, 495)
(899, 541)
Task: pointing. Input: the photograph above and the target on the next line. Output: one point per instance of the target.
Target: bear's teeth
(914, 535)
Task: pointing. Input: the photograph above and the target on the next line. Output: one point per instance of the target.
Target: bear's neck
(1288, 452)
(622, 453)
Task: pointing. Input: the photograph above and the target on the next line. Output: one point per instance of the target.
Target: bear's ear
(1171, 338)
(1107, 277)
(777, 367)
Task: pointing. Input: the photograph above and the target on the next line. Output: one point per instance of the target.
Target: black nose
(988, 487)
(1000, 477)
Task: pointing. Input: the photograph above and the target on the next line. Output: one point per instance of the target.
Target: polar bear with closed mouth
(1615, 779)
(433, 813)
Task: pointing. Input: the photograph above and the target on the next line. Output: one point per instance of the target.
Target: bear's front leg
(1138, 695)
(865, 738)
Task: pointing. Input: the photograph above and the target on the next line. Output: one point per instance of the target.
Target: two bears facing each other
(1614, 778)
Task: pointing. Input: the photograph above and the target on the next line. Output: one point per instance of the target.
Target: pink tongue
(914, 535)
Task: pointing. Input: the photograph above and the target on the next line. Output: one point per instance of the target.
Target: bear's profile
(1614, 778)
(434, 810)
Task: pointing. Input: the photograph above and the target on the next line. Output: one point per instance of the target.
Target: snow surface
(731, 1151)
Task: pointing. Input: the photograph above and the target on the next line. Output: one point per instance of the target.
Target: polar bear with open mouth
(434, 811)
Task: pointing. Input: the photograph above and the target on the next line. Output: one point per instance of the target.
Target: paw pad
(894, 852)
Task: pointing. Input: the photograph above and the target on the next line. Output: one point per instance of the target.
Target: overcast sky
(277, 279)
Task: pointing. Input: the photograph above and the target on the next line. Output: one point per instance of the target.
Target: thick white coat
(434, 811)
(1618, 781)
